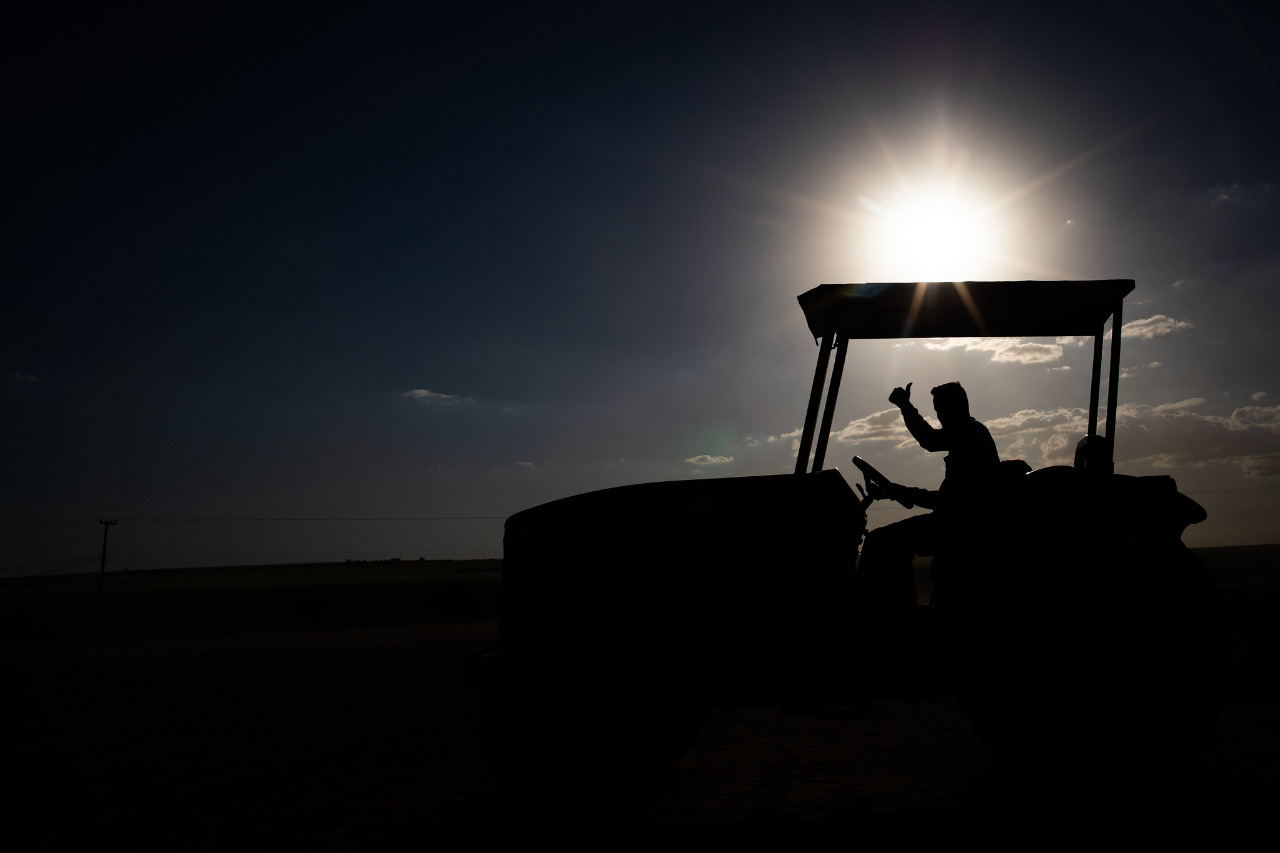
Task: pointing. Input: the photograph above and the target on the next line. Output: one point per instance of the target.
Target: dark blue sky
(356, 261)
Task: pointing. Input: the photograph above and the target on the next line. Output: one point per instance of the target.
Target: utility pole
(102, 565)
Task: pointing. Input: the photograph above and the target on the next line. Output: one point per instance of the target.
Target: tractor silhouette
(1069, 621)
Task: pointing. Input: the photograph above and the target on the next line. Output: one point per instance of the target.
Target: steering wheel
(878, 485)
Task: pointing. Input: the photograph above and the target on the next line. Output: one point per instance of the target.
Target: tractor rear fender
(669, 586)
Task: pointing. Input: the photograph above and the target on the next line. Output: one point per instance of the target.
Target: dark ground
(329, 711)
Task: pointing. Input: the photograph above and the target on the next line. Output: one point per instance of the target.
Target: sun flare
(931, 236)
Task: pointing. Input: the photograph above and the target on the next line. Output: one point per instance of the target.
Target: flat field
(325, 708)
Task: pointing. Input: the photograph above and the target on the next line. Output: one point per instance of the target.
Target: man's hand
(901, 397)
(877, 491)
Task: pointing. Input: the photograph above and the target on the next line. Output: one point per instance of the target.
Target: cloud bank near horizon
(1169, 435)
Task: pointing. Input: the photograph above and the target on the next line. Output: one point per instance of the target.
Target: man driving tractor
(885, 575)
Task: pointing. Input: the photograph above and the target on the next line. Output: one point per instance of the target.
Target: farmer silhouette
(885, 577)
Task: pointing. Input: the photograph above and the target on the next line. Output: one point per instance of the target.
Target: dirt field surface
(211, 727)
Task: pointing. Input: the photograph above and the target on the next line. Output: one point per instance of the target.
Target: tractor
(1070, 623)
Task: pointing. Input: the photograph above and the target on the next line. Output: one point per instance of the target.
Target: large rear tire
(1113, 655)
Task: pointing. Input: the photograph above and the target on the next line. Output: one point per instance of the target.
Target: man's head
(951, 403)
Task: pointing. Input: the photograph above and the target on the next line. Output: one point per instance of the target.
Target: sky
(379, 261)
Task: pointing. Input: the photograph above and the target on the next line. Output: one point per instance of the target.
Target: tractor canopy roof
(946, 309)
(839, 313)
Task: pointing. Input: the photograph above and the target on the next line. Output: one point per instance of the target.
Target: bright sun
(936, 236)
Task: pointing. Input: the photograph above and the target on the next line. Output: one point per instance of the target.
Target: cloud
(1175, 435)
(524, 465)
(1009, 350)
(22, 377)
(1169, 435)
(1264, 467)
(1154, 327)
(1032, 420)
(1126, 372)
(772, 439)
(1261, 395)
(1250, 417)
(1166, 408)
(884, 425)
(704, 459)
(433, 397)
(1256, 195)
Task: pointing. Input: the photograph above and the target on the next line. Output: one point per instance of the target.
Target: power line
(48, 524)
(269, 518)
(1233, 489)
(341, 518)
(203, 555)
(66, 569)
(47, 563)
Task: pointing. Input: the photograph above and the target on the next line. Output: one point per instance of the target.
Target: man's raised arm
(930, 438)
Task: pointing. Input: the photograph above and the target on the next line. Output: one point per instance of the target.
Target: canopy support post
(1095, 383)
(815, 396)
(1113, 383)
(829, 410)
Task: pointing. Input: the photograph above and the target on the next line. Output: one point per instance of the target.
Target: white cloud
(1032, 420)
(1250, 417)
(435, 397)
(1126, 372)
(704, 459)
(948, 343)
(1175, 435)
(1058, 449)
(1153, 327)
(524, 465)
(1264, 467)
(1170, 435)
(1009, 350)
(22, 377)
(884, 425)
(1261, 395)
(1165, 408)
